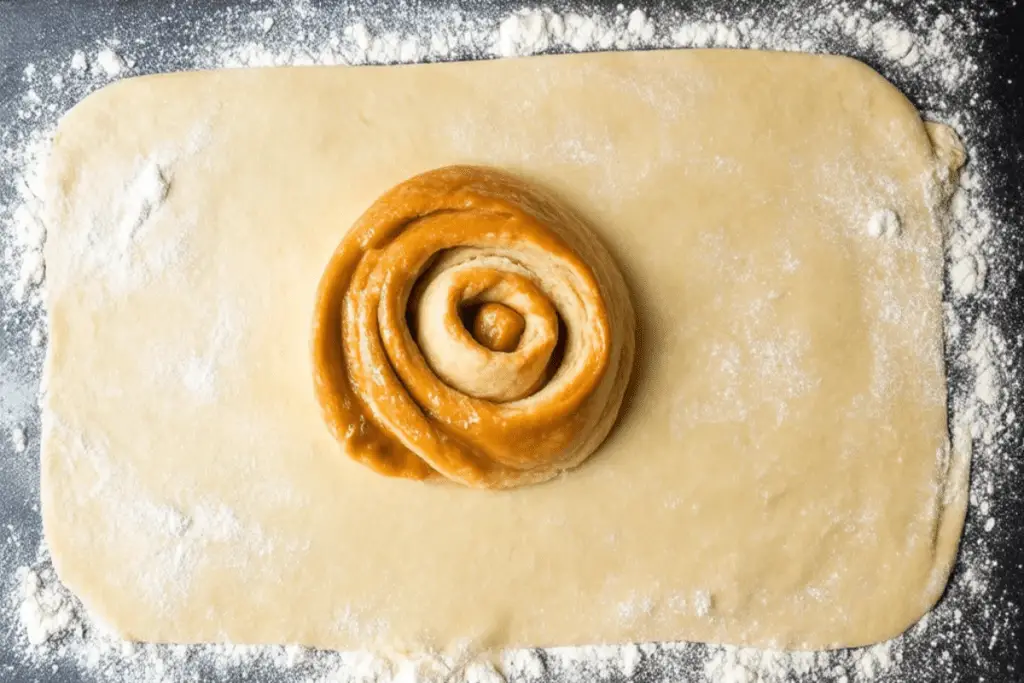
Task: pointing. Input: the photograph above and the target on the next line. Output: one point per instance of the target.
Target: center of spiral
(498, 327)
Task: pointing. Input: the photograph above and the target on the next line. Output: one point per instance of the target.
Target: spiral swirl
(469, 327)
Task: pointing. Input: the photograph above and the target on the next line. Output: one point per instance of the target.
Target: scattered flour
(22, 250)
(967, 244)
(631, 658)
(884, 223)
(109, 63)
(111, 248)
(523, 665)
(198, 366)
(748, 665)
(78, 62)
(46, 611)
(18, 439)
(934, 53)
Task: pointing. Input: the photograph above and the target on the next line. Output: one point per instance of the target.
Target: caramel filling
(498, 327)
(459, 333)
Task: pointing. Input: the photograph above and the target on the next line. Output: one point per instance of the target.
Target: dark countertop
(33, 31)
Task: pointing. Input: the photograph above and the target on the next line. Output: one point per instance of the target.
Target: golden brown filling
(498, 327)
(463, 328)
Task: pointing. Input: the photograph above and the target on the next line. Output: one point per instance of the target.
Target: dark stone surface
(32, 31)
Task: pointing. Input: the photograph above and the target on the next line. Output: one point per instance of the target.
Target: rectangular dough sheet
(780, 475)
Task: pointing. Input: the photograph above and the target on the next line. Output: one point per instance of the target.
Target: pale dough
(780, 473)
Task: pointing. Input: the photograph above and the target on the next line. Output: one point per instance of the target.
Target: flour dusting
(924, 50)
(884, 223)
(47, 610)
(18, 439)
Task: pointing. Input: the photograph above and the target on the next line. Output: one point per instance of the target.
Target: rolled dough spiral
(468, 327)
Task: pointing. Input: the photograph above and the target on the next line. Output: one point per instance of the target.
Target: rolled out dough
(780, 474)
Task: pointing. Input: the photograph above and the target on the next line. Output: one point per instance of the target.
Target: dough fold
(469, 327)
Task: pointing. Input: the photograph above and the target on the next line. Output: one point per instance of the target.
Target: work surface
(981, 644)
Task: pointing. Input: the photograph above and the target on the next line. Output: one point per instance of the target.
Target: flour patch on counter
(482, 672)
(966, 247)
(47, 610)
(523, 665)
(108, 63)
(750, 665)
(19, 441)
(23, 232)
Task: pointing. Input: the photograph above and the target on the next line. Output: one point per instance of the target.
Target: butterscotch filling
(460, 333)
